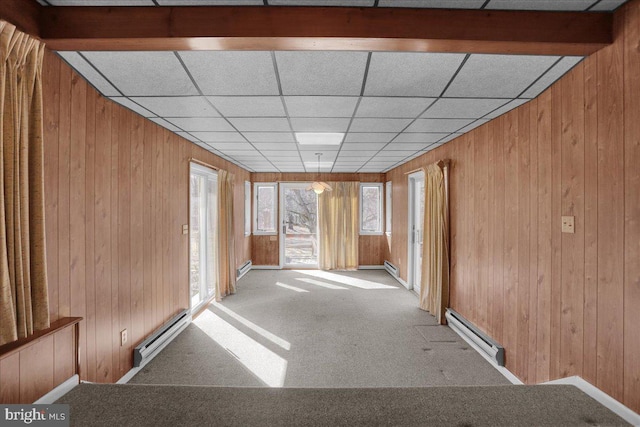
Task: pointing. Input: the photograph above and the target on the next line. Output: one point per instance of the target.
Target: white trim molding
(603, 398)
(59, 391)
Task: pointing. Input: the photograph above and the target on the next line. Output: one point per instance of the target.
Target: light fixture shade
(319, 187)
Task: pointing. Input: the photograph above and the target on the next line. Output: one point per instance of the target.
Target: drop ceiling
(246, 106)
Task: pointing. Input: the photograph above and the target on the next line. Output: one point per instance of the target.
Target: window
(387, 193)
(247, 208)
(371, 208)
(265, 198)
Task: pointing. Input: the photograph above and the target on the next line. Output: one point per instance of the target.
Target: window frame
(388, 206)
(379, 186)
(247, 209)
(274, 213)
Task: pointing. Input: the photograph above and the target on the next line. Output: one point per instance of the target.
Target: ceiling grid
(247, 106)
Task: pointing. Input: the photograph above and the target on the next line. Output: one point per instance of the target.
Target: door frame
(412, 179)
(281, 221)
(208, 173)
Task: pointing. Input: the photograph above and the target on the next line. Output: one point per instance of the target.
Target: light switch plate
(273, 238)
(185, 228)
(568, 224)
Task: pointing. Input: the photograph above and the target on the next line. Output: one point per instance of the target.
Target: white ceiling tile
(358, 154)
(607, 5)
(284, 148)
(89, 73)
(232, 72)
(410, 74)
(379, 125)
(279, 137)
(474, 125)
(437, 125)
(369, 137)
(199, 124)
(558, 70)
(321, 106)
(392, 107)
(320, 124)
(249, 106)
(540, 4)
(498, 76)
(407, 146)
(419, 137)
(463, 108)
(351, 3)
(225, 147)
(508, 107)
(278, 152)
(357, 146)
(447, 139)
(143, 73)
(434, 4)
(188, 136)
(165, 124)
(321, 72)
(177, 106)
(126, 102)
(257, 124)
(101, 2)
(219, 136)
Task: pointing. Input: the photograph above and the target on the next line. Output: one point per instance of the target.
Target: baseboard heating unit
(391, 269)
(244, 268)
(148, 348)
(461, 325)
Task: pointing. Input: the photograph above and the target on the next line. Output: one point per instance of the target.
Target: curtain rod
(200, 162)
(441, 163)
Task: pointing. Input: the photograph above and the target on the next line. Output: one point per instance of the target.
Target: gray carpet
(318, 329)
(131, 405)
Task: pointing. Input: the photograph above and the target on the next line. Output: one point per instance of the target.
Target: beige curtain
(24, 302)
(338, 224)
(434, 289)
(226, 283)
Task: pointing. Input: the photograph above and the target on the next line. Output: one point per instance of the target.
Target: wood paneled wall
(116, 198)
(561, 304)
(372, 250)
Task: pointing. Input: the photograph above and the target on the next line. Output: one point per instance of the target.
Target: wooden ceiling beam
(24, 14)
(324, 28)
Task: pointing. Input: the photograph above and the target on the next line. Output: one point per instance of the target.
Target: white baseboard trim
(371, 267)
(265, 267)
(59, 391)
(603, 398)
(402, 282)
(126, 377)
(504, 371)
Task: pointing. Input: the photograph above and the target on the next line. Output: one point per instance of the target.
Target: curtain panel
(24, 302)
(434, 289)
(226, 283)
(338, 224)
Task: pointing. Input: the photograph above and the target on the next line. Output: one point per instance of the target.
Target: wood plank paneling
(37, 370)
(561, 304)
(632, 207)
(116, 198)
(10, 378)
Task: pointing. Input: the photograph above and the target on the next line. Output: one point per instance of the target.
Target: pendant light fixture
(319, 186)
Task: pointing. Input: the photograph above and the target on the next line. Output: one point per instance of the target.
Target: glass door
(203, 191)
(416, 220)
(299, 221)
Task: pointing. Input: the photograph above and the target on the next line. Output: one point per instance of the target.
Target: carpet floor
(309, 328)
(146, 405)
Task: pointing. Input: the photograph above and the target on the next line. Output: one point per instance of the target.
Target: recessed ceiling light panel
(319, 138)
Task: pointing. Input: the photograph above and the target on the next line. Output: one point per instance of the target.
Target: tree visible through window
(265, 208)
(370, 208)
